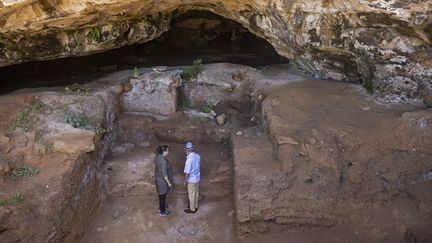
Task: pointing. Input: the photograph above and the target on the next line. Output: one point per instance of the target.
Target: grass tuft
(13, 201)
(26, 171)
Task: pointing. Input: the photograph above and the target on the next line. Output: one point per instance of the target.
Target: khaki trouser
(193, 193)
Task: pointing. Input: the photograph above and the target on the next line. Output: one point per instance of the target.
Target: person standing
(192, 177)
(163, 177)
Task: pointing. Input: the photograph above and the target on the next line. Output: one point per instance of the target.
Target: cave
(193, 35)
(90, 89)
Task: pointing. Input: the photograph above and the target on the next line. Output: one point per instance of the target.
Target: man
(192, 177)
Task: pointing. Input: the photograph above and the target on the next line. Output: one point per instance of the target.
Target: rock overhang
(330, 39)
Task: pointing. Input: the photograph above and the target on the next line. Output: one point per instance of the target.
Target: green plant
(206, 109)
(38, 107)
(96, 33)
(24, 118)
(13, 201)
(135, 72)
(26, 171)
(366, 68)
(77, 122)
(21, 120)
(100, 130)
(192, 71)
(76, 89)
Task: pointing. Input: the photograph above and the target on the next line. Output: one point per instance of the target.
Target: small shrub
(76, 122)
(26, 171)
(76, 89)
(13, 201)
(100, 130)
(192, 71)
(136, 72)
(21, 120)
(206, 109)
(24, 118)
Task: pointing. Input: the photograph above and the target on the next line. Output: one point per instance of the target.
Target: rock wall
(335, 159)
(387, 43)
(59, 201)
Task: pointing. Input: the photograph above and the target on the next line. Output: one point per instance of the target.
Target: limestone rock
(127, 87)
(221, 119)
(399, 90)
(198, 115)
(215, 86)
(326, 38)
(286, 140)
(82, 141)
(153, 93)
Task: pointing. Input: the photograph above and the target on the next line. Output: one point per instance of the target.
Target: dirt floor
(130, 213)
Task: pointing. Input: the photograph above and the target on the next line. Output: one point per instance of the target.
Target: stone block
(153, 93)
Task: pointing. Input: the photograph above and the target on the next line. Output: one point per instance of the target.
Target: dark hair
(162, 149)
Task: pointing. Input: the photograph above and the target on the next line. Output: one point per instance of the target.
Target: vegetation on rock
(77, 122)
(26, 171)
(13, 201)
(192, 71)
(206, 109)
(25, 118)
(76, 89)
(366, 68)
(136, 72)
(96, 33)
(183, 100)
(100, 130)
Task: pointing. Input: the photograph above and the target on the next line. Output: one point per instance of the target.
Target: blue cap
(188, 145)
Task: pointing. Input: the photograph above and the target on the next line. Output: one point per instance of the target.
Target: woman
(163, 177)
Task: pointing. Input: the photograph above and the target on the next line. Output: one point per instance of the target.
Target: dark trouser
(162, 199)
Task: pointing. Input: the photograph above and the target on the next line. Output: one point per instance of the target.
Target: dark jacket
(162, 169)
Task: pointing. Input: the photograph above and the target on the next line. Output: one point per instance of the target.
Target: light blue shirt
(192, 167)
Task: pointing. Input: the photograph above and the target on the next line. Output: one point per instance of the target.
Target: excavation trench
(102, 117)
(291, 160)
(130, 210)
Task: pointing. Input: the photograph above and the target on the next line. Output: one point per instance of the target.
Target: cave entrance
(193, 35)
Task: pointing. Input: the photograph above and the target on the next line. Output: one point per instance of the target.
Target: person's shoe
(189, 211)
(166, 213)
(196, 209)
(166, 207)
